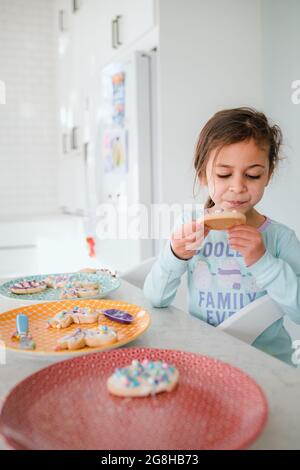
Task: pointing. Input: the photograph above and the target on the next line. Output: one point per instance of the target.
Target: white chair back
(138, 273)
(249, 322)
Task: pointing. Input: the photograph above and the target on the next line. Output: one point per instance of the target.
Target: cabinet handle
(74, 138)
(61, 22)
(86, 151)
(113, 34)
(76, 5)
(118, 17)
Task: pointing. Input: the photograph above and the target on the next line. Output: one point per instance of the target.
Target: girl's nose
(238, 186)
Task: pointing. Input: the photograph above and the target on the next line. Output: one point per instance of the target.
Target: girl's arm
(280, 275)
(162, 282)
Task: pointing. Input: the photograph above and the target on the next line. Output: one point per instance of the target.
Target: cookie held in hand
(223, 220)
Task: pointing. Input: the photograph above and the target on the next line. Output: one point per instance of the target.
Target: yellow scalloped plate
(46, 338)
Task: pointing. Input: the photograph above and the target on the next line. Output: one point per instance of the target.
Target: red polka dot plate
(67, 406)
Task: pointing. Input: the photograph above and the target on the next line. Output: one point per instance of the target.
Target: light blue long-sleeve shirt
(220, 284)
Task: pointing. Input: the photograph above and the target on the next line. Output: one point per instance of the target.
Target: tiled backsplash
(28, 127)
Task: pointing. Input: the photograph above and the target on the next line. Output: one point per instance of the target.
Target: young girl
(236, 154)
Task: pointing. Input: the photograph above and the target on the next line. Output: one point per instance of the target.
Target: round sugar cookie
(62, 319)
(141, 379)
(28, 287)
(69, 293)
(102, 336)
(88, 270)
(224, 220)
(85, 285)
(84, 315)
(56, 282)
(86, 292)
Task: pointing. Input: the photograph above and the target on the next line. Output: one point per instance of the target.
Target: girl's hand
(186, 241)
(248, 241)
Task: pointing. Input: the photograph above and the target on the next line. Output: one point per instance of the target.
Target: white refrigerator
(126, 161)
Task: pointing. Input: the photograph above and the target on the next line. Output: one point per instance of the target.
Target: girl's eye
(248, 176)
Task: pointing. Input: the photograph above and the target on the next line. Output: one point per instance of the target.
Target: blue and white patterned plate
(107, 283)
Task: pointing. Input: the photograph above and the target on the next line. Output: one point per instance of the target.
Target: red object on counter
(91, 246)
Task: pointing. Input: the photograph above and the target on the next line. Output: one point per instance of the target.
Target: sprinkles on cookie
(142, 378)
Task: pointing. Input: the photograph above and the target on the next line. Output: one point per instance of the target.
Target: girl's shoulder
(271, 225)
(276, 232)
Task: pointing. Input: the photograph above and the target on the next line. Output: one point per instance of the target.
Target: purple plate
(118, 315)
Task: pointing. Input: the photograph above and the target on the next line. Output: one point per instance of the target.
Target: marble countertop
(172, 328)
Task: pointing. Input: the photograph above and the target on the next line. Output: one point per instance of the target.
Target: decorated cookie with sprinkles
(85, 285)
(102, 336)
(79, 290)
(69, 293)
(73, 341)
(28, 287)
(83, 292)
(144, 378)
(84, 315)
(79, 315)
(56, 282)
(62, 319)
(93, 338)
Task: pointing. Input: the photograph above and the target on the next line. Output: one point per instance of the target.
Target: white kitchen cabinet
(85, 44)
(131, 19)
(114, 26)
(71, 50)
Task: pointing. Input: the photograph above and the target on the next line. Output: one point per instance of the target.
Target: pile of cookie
(71, 288)
(78, 339)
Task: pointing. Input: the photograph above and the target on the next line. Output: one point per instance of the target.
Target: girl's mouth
(236, 203)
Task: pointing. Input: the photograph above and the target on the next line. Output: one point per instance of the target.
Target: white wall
(210, 58)
(281, 39)
(28, 153)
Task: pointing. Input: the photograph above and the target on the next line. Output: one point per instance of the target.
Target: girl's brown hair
(236, 125)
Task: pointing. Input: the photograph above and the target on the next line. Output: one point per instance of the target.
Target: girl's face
(237, 176)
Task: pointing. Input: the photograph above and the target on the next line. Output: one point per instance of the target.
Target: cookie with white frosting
(144, 378)
(102, 336)
(92, 338)
(56, 282)
(79, 315)
(72, 341)
(62, 319)
(87, 292)
(84, 315)
(28, 287)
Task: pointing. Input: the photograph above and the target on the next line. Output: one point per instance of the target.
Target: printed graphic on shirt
(201, 275)
(222, 283)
